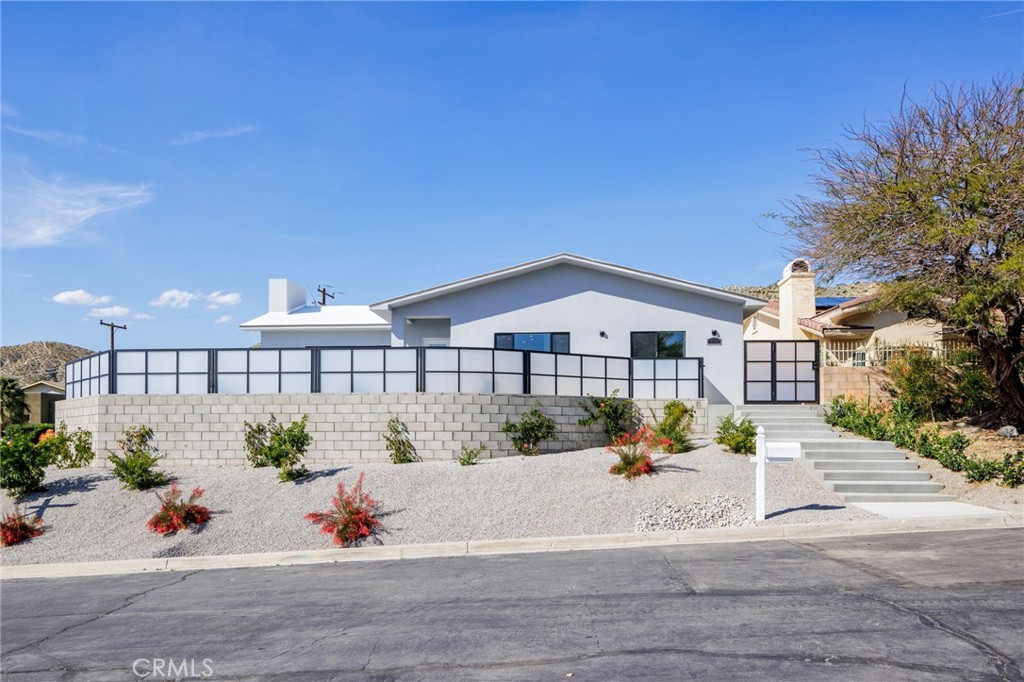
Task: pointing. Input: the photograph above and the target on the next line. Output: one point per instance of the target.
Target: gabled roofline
(749, 303)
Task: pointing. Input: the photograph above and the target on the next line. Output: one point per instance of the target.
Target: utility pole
(113, 327)
(322, 290)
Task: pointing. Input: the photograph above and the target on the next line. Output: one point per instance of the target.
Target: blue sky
(161, 161)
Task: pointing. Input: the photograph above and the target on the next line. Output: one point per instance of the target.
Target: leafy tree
(931, 202)
(13, 408)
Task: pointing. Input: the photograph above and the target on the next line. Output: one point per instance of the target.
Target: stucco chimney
(796, 297)
(285, 295)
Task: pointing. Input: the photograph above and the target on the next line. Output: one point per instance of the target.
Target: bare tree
(931, 202)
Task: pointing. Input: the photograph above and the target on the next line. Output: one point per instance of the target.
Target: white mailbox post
(765, 452)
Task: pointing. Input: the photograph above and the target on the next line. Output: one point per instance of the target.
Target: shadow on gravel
(71, 484)
(323, 473)
(659, 468)
(806, 507)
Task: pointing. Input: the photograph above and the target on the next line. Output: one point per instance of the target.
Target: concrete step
(805, 427)
(864, 475)
(849, 498)
(820, 465)
(793, 435)
(780, 419)
(751, 413)
(851, 444)
(884, 486)
(850, 455)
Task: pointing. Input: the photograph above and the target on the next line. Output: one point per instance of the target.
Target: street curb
(808, 531)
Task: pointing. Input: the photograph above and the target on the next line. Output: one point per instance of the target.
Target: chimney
(796, 297)
(285, 296)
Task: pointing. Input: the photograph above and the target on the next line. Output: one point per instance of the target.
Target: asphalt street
(921, 606)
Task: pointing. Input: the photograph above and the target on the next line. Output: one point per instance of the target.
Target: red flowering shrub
(15, 528)
(634, 451)
(177, 514)
(351, 517)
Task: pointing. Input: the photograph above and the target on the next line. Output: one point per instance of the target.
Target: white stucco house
(561, 304)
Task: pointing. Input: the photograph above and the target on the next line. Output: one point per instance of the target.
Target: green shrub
(737, 436)
(32, 431)
(137, 468)
(977, 470)
(676, 426)
(275, 445)
(22, 464)
(616, 415)
(470, 455)
(938, 389)
(1013, 469)
(532, 428)
(68, 450)
(396, 438)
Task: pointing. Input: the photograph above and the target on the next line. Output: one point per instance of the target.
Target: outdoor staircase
(856, 469)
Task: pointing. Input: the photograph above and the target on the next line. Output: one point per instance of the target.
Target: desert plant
(616, 415)
(1013, 469)
(13, 408)
(533, 427)
(67, 450)
(16, 527)
(177, 513)
(634, 452)
(274, 444)
(352, 515)
(22, 464)
(396, 439)
(676, 426)
(469, 456)
(736, 435)
(137, 468)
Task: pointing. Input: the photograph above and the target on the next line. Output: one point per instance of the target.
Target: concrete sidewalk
(925, 510)
(995, 519)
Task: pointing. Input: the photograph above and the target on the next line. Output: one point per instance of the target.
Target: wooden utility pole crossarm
(113, 328)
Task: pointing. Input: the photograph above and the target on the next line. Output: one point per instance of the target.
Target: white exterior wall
(302, 339)
(584, 302)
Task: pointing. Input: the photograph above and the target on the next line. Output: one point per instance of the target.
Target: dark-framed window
(554, 342)
(657, 344)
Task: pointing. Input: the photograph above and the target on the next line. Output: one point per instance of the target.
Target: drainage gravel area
(88, 517)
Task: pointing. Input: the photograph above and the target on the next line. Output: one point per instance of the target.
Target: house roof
(42, 385)
(315, 317)
(750, 304)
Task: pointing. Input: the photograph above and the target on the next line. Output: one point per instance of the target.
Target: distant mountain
(771, 291)
(38, 361)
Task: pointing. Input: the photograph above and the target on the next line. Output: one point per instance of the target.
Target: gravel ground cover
(89, 517)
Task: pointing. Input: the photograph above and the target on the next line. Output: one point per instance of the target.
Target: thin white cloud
(79, 297)
(112, 311)
(7, 110)
(175, 298)
(223, 319)
(143, 316)
(44, 212)
(53, 136)
(194, 136)
(219, 300)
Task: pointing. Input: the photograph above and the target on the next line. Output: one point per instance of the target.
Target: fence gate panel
(780, 372)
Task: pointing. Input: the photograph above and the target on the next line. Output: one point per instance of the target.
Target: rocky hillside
(771, 291)
(38, 361)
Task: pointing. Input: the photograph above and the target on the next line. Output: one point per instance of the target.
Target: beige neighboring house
(41, 398)
(852, 331)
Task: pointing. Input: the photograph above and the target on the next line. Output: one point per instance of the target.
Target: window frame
(657, 344)
(552, 335)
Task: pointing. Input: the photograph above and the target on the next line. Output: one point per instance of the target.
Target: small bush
(22, 464)
(676, 426)
(532, 428)
(137, 468)
(977, 470)
(737, 436)
(32, 431)
(469, 456)
(352, 515)
(1013, 469)
(616, 415)
(15, 528)
(275, 445)
(396, 439)
(67, 450)
(634, 452)
(176, 513)
(937, 388)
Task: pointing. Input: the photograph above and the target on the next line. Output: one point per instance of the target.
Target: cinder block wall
(208, 429)
(853, 381)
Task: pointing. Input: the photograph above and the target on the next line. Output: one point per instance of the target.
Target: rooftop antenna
(113, 328)
(322, 290)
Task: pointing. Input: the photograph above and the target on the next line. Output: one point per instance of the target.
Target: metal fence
(380, 370)
(855, 354)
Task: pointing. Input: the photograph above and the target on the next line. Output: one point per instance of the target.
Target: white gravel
(89, 517)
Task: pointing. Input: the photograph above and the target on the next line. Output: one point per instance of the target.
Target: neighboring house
(852, 331)
(563, 304)
(41, 398)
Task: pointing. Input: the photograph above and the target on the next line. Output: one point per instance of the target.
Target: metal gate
(780, 372)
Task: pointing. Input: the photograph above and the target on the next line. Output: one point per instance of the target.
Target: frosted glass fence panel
(668, 378)
(88, 376)
(162, 372)
(472, 370)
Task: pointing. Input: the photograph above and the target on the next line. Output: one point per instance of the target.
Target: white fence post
(761, 457)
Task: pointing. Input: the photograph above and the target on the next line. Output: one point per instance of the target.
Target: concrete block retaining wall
(853, 381)
(208, 429)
